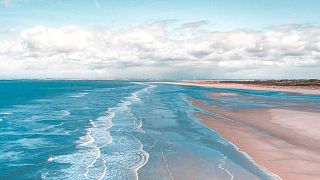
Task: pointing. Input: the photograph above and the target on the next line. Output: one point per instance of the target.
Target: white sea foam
(89, 151)
(79, 162)
(144, 157)
(97, 153)
(50, 159)
(87, 139)
(56, 125)
(96, 138)
(89, 162)
(135, 97)
(44, 174)
(6, 113)
(138, 125)
(133, 156)
(91, 123)
(65, 113)
(78, 95)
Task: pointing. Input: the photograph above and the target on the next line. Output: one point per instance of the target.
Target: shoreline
(292, 149)
(260, 87)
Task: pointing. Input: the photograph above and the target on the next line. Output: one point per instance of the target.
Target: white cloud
(152, 51)
(66, 39)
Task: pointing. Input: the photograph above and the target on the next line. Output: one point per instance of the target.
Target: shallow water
(121, 130)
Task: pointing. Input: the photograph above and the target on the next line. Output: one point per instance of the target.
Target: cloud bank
(156, 51)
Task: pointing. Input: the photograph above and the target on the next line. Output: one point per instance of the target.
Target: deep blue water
(120, 130)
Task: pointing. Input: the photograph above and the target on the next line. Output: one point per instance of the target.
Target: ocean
(120, 130)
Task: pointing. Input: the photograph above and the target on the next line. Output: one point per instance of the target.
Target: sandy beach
(217, 84)
(289, 149)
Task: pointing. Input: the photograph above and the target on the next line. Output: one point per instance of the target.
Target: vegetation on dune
(283, 82)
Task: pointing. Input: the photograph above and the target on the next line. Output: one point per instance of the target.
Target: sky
(159, 39)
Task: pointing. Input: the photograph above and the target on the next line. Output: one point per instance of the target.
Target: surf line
(144, 155)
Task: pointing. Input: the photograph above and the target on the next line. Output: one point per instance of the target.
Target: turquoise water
(120, 130)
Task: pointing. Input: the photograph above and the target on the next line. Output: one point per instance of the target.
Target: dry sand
(293, 149)
(217, 84)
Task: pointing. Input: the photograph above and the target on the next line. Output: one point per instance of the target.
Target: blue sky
(160, 39)
(223, 14)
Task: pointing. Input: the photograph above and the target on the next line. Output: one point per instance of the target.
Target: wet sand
(217, 84)
(292, 151)
(221, 94)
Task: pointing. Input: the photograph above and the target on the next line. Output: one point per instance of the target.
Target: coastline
(292, 149)
(219, 84)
